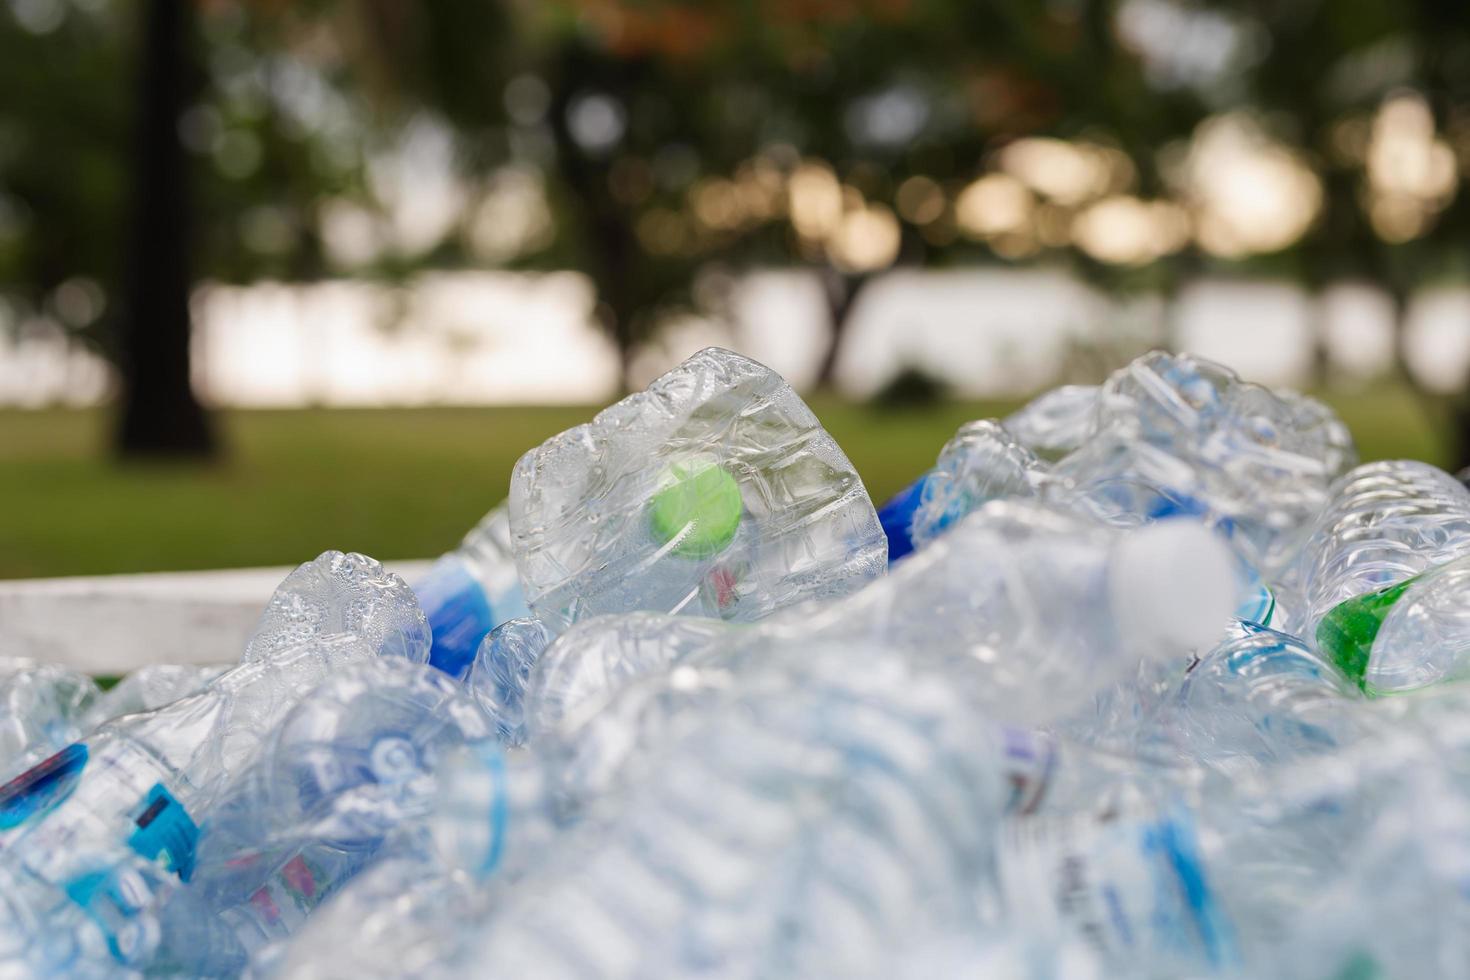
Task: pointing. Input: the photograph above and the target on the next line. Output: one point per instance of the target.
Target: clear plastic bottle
(1383, 554)
(342, 593)
(351, 763)
(1052, 606)
(146, 689)
(501, 672)
(470, 591)
(1385, 522)
(1016, 592)
(1400, 907)
(805, 833)
(1263, 697)
(983, 462)
(1303, 869)
(1406, 636)
(1174, 426)
(715, 493)
(140, 786)
(591, 662)
(1057, 422)
(1133, 889)
(42, 708)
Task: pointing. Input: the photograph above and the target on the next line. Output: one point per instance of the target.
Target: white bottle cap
(1173, 588)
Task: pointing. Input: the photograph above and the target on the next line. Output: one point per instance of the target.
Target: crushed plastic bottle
(589, 664)
(1383, 556)
(809, 832)
(470, 591)
(140, 786)
(1115, 716)
(716, 493)
(1053, 605)
(1170, 427)
(983, 462)
(111, 823)
(501, 672)
(1267, 697)
(147, 689)
(1057, 422)
(43, 707)
(343, 593)
(353, 761)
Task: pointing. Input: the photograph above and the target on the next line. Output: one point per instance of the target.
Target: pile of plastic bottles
(1104, 693)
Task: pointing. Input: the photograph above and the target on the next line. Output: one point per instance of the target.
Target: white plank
(111, 624)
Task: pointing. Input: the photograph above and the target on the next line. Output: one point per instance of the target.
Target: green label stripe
(1347, 632)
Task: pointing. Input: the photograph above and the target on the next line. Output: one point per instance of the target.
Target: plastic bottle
(1174, 426)
(983, 462)
(501, 672)
(146, 689)
(140, 785)
(342, 593)
(1399, 909)
(805, 833)
(1015, 592)
(716, 493)
(1057, 422)
(589, 663)
(1134, 889)
(1384, 550)
(1052, 606)
(1264, 697)
(42, 708)
(352, 761)
(1288, 871)
(1405, 636)
(470, 591)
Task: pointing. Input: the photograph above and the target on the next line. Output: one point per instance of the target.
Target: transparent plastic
(470, 591)
(585, 506)
(501, 672)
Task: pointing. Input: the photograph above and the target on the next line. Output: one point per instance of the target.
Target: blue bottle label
(165, 829)
(459, 614)
(1126, 887)
(499, 807)
(42, 787)
(897, 519)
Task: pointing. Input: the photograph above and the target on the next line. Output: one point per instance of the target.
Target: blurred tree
(1372, 90)
(664, 139)
(160, 415)
(62, 175)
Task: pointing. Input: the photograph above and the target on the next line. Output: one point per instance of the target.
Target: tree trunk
(160, 415)
(604, 226)
(842, 294)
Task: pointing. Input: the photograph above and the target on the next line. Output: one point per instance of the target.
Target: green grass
(393, 483)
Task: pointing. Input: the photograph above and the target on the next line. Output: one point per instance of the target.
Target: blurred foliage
(659, 145)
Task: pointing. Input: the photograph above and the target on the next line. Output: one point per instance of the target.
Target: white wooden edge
(111, 624)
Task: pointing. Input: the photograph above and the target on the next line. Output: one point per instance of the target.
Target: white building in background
(481, 338)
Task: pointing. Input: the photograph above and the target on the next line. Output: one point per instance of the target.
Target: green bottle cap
(698, 509)
(1347, 632)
